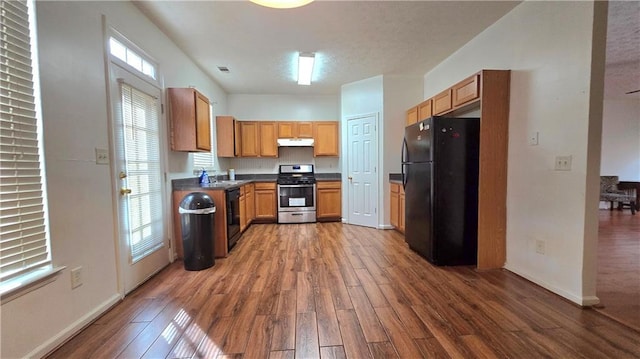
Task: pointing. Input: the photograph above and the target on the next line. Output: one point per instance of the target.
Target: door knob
(350, 178)
(122, 175)
(124, 191)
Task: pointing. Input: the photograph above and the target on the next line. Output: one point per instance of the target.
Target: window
(205, 159)
(131, 58)
(24, 239)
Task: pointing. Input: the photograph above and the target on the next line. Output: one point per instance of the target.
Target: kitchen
(77, 123)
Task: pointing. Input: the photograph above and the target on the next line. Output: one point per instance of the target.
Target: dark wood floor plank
(307, 290)
(371, 327)
(328, 329)
(307, 345)
(397, 333)
(354, 342)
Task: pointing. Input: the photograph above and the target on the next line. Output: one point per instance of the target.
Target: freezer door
(418, 215)
(418, 142)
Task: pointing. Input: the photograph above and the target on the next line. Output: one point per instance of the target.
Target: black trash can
(197, 211)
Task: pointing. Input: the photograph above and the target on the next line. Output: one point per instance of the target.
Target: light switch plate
(102, 156)
(563, 163)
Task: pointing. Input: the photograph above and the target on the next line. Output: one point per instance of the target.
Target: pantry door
(362, 175)
(139, 169)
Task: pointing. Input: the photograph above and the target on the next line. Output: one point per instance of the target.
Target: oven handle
(295, 185)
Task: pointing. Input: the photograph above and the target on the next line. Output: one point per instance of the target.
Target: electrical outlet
(533, 138)
(563, 163)
(76, 277)
(539, 246)
(102, 156)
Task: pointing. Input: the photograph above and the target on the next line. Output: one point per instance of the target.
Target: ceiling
(353, 40)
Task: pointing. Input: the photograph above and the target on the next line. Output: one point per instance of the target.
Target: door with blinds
(139, 169)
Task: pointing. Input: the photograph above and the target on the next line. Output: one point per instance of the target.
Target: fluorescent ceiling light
(282, 4)
(305, 68)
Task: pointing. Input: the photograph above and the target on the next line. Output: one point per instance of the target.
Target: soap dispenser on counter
(204, 177)
(232, 174)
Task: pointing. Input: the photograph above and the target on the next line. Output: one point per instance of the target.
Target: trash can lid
(196, 200)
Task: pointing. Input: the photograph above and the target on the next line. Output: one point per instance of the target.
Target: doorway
(139, 167)
(362, 167)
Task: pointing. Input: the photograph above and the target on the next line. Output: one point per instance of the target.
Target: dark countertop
(191, 184)
(395, 177)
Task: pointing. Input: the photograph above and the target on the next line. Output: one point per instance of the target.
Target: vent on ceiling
(223, 69)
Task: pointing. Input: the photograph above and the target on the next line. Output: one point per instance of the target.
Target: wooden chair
(610, 192)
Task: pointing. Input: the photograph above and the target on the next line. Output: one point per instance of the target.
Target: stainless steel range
(296, 194)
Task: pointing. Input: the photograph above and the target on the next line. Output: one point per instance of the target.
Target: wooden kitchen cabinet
(295, 129)
(250, 204)
(227, 136)
(243, 209)
(394, 205)
(396, 212)
(268, 139)
(466, 90)
(424, 110)
(220, 243)
(265, 202)
(412, 116)
(326, 141)
(249, 139)
(189, 120)
(328, 201)
(442, 102)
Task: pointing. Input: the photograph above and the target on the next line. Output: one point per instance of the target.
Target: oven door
(296, 198)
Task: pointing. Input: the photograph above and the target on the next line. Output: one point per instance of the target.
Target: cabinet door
(250, 203)
(265, 199)
(466, 90)
(243, 211)
(249, 139)
(394, 209)
(424, 110)
(203, 122)
(225, 136)
(412, 116)
(329, 200)
(305, 130)
(268, 139)
(442, 102)
(325, 136)
(286, 129)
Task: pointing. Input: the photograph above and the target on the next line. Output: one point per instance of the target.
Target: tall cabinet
(189, 120)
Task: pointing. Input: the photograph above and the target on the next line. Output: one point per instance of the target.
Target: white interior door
(362, 178)
(143, 240)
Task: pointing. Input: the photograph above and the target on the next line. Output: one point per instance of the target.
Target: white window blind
(205, 159)
(141, 141)
(24, 245)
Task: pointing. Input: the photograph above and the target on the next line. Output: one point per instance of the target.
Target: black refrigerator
(440, 179)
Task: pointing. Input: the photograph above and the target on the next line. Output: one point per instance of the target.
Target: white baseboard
(72, 329)
(581, 301)
(385, 226)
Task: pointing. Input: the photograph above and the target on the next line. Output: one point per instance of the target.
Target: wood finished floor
(340, 291)
(618, 285)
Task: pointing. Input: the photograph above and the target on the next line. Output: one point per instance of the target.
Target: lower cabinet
(329, 201)
(396, 211)
(219, 219)
(249, 190)
(243, 209)
(265, 202)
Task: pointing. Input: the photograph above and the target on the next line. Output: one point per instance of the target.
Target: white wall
(548, 47)
(621, 139)
(400, 93)
(357, 99)
(82, 224)
(284, 108)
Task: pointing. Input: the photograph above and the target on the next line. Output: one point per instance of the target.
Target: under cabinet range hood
(295, 142)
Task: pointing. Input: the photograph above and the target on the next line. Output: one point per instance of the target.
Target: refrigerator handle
(404, 148)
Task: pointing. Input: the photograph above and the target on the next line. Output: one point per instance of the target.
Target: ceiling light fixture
(282, 4)
(305, 68)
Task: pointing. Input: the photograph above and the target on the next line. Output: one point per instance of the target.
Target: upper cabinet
(425, 110)
(412, 116)
(189, 120)
(295, 129)
(249, 139)
(268, 139)
(326, 139)
(227, 140)
(466, 90)
(442, 102)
